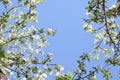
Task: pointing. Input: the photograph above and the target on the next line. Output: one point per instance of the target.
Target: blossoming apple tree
(22, 45)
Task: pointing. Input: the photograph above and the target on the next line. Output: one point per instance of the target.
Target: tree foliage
(102, 23)
(22, 45)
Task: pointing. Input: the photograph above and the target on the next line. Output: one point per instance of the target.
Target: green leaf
(41, 30)
(93, 31)
(2, 53)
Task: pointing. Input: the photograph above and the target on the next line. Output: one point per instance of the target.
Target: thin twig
(107, 29)
(12, 9)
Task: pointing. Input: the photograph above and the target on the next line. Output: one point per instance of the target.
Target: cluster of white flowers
(43, 76)
(1, 31)
(7, 71)
(7, 2)
(92, 77)
(59, 69)
(33, 16)
(59, 74)
(87, 27)
(96, 57)
(1, 40)
(50, 31)
(90, 55)
(50, 55)
(25, 43)
(78, 70)
(37, 1)
(89, 14)
(31, 29)
(20, 16)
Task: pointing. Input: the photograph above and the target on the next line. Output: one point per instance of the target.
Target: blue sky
(71, 40)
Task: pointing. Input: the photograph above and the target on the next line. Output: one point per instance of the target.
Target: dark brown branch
(18, 38)
(12, 9)
(107, 29)
(46, 64)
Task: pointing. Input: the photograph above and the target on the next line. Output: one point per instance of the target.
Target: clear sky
(71, 40)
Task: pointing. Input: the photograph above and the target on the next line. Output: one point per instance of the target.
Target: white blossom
(58, 74)
(96, 57)
(59, 68)
(43, 76)
(87, 27)
(93, 77)
(36, 37)
(1, 31)
(89, 55)
(12, 35)
(1, 40)
(24, 78)
(31, 29)
(89, 13)
(30, 47)
(41, 45)
(37, 1)
(100, 67)
(50, 55)
(78, 70)
(50, 31)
